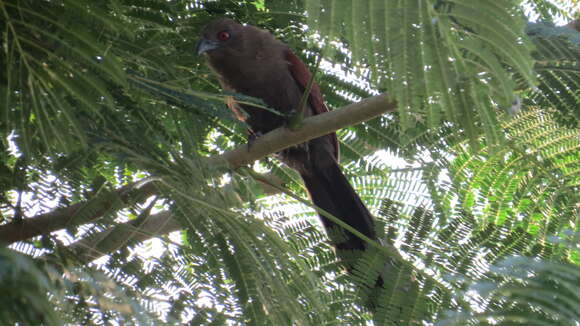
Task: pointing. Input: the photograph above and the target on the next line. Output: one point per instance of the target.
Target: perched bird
(250, 61)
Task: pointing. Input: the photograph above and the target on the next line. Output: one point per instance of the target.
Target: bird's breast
(265, 78)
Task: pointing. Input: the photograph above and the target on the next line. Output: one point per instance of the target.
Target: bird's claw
(252, 138)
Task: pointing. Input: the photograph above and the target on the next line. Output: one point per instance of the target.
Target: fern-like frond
(439, 59)
(531, 292)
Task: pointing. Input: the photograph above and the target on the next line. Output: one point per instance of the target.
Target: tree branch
(314, 126)
(115, 238)
(77, 214)
(272, 142)
(111, 240)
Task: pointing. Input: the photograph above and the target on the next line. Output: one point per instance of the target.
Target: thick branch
(117, 237)
(272, 142)
(312, 127)
(76, 214)
(111, 240)
(575, 25)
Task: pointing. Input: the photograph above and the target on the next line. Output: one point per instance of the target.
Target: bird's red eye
(223, 36)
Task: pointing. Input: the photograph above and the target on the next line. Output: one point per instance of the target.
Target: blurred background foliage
(474, 180)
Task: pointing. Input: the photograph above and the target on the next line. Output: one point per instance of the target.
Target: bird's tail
(330, 190)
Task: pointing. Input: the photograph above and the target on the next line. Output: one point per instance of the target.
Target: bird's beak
(204, 45)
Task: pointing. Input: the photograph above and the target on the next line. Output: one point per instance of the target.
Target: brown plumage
(250, 61)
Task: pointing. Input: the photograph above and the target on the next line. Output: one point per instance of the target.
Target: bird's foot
(252, 137)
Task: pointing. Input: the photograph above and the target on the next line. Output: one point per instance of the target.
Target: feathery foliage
(473, 181)
(441, 60)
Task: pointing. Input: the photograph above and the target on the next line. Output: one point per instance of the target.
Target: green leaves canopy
(96, 95)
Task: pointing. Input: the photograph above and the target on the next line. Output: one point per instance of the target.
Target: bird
(249, 60)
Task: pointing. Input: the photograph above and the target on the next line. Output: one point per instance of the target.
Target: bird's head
(222, 33)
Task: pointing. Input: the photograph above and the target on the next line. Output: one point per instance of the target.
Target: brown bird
(250, 61)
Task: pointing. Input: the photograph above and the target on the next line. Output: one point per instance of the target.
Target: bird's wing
(302, 76)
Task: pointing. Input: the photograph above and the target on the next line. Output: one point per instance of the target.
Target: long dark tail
(330, 190)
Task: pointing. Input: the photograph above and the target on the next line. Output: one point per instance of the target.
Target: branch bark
(575, 25)
(272, 142)
(77, 214)
(312, 127)
(115, 238)
(111, 240)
